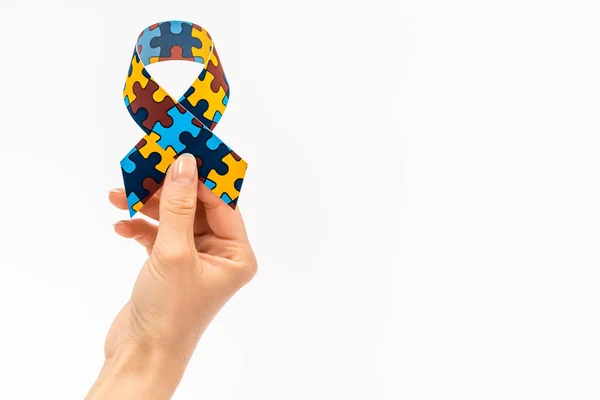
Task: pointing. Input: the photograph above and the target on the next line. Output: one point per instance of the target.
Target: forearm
(138, 374)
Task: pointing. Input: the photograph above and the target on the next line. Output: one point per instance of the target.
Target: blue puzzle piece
(212, 159)
(199, 110)
(132, 200)
(147, 50)
(238, 184)
(134, 180)
(176, 27)
(128, 165)
(214, 142)
(225, 197)
(183, 39)
(209, 184)
(218, 116)
(182, 122)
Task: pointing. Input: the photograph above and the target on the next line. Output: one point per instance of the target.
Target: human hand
(198, 257)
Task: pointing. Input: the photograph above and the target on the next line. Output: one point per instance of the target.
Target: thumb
(178, 206)
(222, 220)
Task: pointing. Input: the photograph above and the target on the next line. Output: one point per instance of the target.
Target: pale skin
(198, 257)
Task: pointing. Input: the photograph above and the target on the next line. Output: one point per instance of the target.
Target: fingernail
(118, 225)
(185, 169)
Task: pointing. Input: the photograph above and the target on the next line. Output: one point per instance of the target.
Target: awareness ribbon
(176, 127)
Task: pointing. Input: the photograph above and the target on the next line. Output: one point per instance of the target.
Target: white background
(422, 195)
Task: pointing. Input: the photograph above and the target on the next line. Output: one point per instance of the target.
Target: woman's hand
(198, 257)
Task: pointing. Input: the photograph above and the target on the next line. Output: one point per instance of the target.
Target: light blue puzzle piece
(210, 184)
(181, 123)
(128, 165)
(147, 50)
(217, 117)
(176, 27)
(132, 199)
(214, 142)
(225, 197)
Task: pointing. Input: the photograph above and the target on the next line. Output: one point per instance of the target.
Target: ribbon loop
(183, 126)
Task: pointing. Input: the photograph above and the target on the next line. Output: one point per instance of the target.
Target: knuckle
(180, 204)
(251, 270)
(167, 256)
(247, 270)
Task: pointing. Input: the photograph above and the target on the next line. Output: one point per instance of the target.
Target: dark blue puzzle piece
(238, 184)
(211, 159)
(139, 117)
(168, 39)
(144, 168)
(202, 105)
(197, 111)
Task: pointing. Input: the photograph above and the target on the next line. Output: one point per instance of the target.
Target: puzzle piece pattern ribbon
(175, 127)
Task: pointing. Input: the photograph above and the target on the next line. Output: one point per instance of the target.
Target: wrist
(135, 372)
